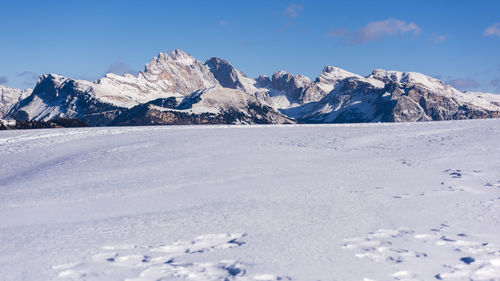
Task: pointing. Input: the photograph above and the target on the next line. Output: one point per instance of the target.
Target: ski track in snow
(310, 202)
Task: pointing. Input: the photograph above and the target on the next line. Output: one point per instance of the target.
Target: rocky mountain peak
(285, 81)
(182, 57)
(332, 73)
(407, 79)
(331, 76)
(10, 97)
(179, 72)
(55, 78)
(225, 73)
(263, 81)
(218, 92)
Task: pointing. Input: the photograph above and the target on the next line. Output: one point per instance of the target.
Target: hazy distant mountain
(179, 89)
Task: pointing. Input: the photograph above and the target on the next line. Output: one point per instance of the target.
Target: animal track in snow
(478, 260)
(165, 262)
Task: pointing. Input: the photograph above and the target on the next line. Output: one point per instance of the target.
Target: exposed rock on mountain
(9, 98)
(225, 73)
(331, 76)
(401, 97)
(298, 88)
(57, 97)
(179, 89)
(211, 106)
(178, 73)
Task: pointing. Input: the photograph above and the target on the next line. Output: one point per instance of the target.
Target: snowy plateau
(386, 201)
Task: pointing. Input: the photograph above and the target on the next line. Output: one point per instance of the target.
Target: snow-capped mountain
(178, 76)
(392, 96)
(216, 105)
(179, 89)
(10, 97)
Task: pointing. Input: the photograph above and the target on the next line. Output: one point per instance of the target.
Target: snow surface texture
(401, 201)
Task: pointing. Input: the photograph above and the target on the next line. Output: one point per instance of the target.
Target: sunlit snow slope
(408, 201)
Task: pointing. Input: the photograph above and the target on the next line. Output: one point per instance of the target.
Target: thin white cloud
(375, 31)
(223, 22)
(495, 82)
(332, 33)
(493, 30)
(28, 74)
(464, 84)
(29, 77)
(439, 38)
(120, 68)
(293, 10)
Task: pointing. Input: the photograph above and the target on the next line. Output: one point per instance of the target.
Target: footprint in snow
(478, 260)
(166, 262)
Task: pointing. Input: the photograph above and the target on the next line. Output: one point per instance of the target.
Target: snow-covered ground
(408, 201)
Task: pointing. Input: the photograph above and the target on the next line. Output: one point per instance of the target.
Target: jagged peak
(52, 76)
(216, 63)
(263, 81)
(224, 72)
(182, 57)
(164, 60)
(334, 69)
(7, 89)
(334, 74)
(177, 56)
(282, 73)
(407, 78)
(217, 60)
(398, 76)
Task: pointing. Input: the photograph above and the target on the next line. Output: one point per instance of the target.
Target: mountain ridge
(218, 93)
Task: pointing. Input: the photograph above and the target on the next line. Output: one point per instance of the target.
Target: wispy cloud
(464, 83)
(28, 74)
(223, 22)
(293, 10)
(375, 31)
(493, 30)
(332, 33)
(29, 77)
(3, 80)
(119, 67)
(439, 38)
(496, 84)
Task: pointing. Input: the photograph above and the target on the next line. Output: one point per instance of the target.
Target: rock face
(391, 96)
(225, 73)
(57, 97)
(331, 76)
(178, 73)
(178, 76)
(212, 106)
(179, 89)
(298, 88)
(9, 98)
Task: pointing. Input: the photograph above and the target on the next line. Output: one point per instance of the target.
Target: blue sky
(455, 41)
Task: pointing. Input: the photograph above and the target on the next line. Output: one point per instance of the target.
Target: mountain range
(176, 88)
